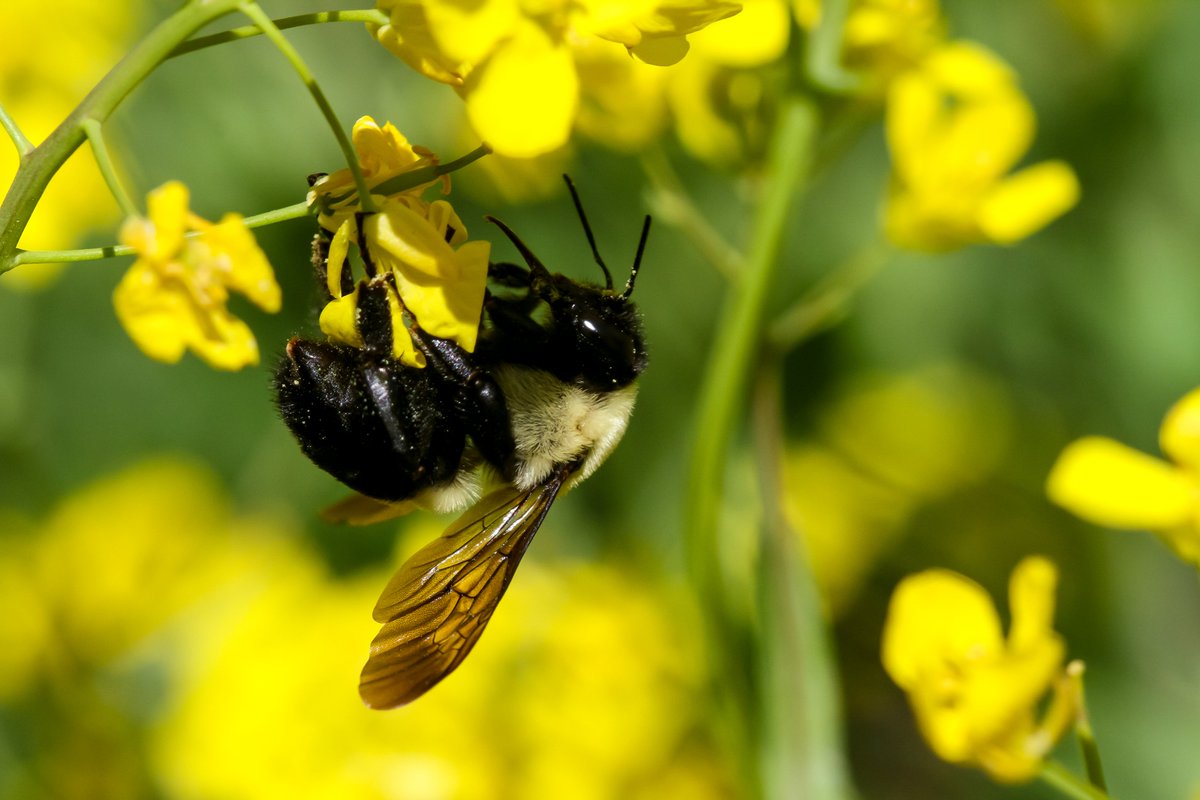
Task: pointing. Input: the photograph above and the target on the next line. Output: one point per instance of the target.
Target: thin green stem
(671, 204)
(722, 398)
(248, 31)
(23, 145)
(264, 23)
(827, 302)
(294, 211)
(40, 164)
(95, 136)
(1056, 775)
(1084, 734)
(823, 56)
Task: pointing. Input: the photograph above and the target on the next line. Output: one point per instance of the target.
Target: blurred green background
(984, 363)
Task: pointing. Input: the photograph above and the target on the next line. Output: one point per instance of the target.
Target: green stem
(1086, 737)
(23, 145)
(722, 397)
(801, 753)
(294, 211)
(264, 23)
(823, 56)
(826, 302)
(249, 31)
(41, 163)
(1066, 782)
(95, 136)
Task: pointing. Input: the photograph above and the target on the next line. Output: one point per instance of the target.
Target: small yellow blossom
(174, 296)
(974, 693)
(514, 63)
(884, 37)
(1109, 483)
(436, 275)
(955, 126)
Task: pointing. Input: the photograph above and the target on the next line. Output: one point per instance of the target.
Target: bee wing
(436, 606)
(358, 509)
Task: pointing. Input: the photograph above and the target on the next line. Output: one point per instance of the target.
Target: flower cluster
(1109, 483)
(514, 62)
(419, 249)
(974, 692)
(174, 296)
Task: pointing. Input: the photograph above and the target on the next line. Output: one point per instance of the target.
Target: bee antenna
(637, 259)
(535, 265)
(587, 229)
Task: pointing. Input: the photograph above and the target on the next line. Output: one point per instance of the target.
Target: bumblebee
(536, 408)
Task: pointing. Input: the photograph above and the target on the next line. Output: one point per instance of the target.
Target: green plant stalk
(823, 55)
(259, 18)
(801, 752)
(92, 129)
(41, 163)
(1068, 784)
(283, 23)
(23, 145)
(1089, 748)
(722, 398)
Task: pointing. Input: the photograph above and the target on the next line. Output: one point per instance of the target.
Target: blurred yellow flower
(1109, 483)
(885, 37)
(513, 62)
(974, 693)
(955, 126)
(86, 40)
(174, 296)
(890, 446)
(585, 686)
(436, 275)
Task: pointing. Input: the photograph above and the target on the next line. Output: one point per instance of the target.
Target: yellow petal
(403, 239)
(1028, 201)
(225, 342)
(157, 320)
(756, 36)
(407, 35)
(339, 320)
(1107, 483)
(522, 100)
(1031, 598)
(339, 249)
(167, 206)
(240, 261)
(934, 617)
(1180, 433)
(468, 32)
(661, 51)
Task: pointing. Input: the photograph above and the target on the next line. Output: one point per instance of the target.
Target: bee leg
(477, 398)
(505, 273)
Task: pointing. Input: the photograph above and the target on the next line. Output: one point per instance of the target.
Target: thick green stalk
(40, 164)
(722, 400)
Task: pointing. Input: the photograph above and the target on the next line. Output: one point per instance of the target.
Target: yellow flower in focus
(955, 126)
(975, 694)
(418, 250)
(513, 62)
(174, 296)
(1111, 484)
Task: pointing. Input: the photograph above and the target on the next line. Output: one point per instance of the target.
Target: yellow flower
(173, 297)
(884, 37)
(436, 275)
(955, 126)
(974, 693)
(513, 61)
(1108, 483)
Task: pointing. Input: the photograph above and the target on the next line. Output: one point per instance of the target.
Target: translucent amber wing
(435, 608)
